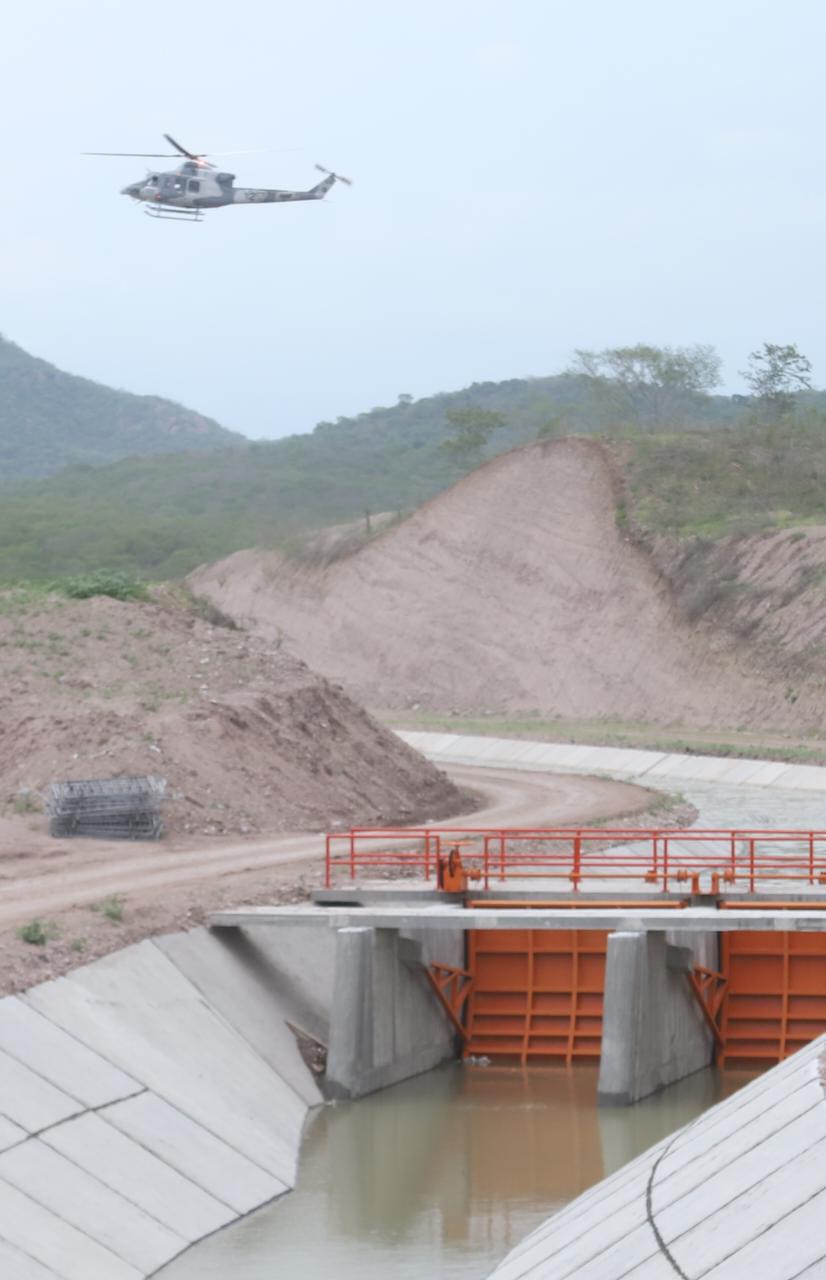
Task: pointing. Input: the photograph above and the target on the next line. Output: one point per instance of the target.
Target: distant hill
(163, 516)
(50, 420)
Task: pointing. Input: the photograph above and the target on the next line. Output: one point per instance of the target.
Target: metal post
(577, 861)
(352, 854)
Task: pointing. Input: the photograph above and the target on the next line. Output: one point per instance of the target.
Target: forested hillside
(691, 462)
(50, 420)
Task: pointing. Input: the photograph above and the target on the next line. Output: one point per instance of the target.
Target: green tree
(649, 386)
(775, 376)
(472, 428)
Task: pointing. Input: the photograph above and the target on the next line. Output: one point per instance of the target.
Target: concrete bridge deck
(700, 919)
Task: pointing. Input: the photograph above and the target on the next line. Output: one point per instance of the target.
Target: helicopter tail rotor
(338, 176)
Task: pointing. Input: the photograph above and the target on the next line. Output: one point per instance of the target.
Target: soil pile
(514, 592)
(247, 737)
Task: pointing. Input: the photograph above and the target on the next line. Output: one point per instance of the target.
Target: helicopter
(196, 185)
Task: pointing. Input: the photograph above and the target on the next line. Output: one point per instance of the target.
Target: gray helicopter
(196, 185)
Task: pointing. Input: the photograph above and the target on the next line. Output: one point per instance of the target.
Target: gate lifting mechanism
(451, 874)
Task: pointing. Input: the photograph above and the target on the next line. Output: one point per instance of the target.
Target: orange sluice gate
(536, 995)
(775, 1001)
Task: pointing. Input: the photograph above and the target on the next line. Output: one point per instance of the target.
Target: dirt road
(153, 888)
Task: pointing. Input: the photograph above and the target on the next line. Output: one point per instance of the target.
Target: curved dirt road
(56, 876)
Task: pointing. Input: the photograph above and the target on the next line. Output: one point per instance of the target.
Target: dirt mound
(513, 592)
(248, 738)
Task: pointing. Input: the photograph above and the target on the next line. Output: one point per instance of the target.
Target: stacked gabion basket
(107, 808)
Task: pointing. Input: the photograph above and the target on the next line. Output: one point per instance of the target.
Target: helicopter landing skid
(172, 211)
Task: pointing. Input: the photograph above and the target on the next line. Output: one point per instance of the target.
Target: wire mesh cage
(127, 808)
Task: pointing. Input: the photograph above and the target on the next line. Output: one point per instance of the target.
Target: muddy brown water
(443, 1174)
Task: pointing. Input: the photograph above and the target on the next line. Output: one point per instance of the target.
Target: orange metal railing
(741, 859)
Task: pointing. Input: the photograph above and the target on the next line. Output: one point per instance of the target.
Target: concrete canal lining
(157, 1095)
(737, 1194)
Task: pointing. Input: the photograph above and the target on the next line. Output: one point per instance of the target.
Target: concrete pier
(385, 1024)
(653, 1033)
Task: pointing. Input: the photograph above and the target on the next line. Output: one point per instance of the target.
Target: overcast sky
(531, 176)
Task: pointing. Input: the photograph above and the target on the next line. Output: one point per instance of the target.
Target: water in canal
(442, 1175)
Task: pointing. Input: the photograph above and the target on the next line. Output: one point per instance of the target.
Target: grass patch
(111, 908)
(26, 802)
(36, 933)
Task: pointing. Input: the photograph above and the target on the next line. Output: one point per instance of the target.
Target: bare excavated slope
(248, 738)
(512, 592)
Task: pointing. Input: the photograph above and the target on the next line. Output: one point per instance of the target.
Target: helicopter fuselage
(195, 186)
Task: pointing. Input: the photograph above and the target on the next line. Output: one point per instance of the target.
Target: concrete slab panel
(740, 771)
(430, 742)
(231, 973)
(701, 1155)
(10, 1134)
(15, 1265)
(769, 774)
(128, 1168)
(58, 1057)
(302, 969)
(56, 1244)
(805, 777)
(30, 1101)
(698, 768)
(765, 1144)
(632, 762)
(194, 1152)
(607, 760)
(755, 1211)
(137, 1010)
(86, 1203)
(531, 751)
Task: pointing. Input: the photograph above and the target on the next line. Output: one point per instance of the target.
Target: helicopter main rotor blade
(147, 155)
(183, 151)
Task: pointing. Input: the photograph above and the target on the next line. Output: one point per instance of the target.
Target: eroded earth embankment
(514, 592)
(249, 739)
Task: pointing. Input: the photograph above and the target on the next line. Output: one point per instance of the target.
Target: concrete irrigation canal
(163, 1093)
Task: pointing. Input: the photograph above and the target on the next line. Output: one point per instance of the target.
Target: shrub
(103, 582)
(35, 933)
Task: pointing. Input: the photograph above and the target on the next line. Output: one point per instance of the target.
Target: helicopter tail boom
(265, 195)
